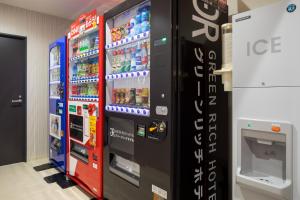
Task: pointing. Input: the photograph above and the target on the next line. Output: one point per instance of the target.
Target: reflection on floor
(21, 182)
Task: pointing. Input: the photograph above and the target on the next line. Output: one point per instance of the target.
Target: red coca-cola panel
(85, 105)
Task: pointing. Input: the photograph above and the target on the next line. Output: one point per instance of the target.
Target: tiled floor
(21, 182)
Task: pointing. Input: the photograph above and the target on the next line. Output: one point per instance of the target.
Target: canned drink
(132, 98)
(127, 96)
(138, 97)
(114, 96)
(118, 97)
(74, 90)
(145, 96)
(122, 96)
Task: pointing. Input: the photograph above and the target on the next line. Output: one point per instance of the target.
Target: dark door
(12, 100)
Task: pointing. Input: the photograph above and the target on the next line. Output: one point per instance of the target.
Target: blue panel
(57, 108)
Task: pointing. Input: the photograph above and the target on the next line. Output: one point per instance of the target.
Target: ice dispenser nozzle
(265, 157)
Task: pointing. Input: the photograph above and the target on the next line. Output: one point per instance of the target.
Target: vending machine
(266, 93)
(57, 104)
(86, 102)
(166, 111)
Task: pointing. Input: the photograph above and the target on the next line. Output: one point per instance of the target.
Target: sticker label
(93, 130)
(161, 110)
(159, 194)
(72, 108)
(95, 166)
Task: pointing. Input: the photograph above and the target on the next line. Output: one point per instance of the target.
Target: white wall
(40, 31)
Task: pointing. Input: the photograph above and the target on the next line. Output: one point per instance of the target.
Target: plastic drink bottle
(144, 55)
(132, 27)
(149, 54)
(96, 42)
(138, 57)
(113, 62)
(122, 60)
(145, 19)
(74, 71)
(118, 62)
(127, 59)
(80, 45)
(86, 44)
(138, 19)
(133, 60)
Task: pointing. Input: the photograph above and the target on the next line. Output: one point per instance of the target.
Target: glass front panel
(128, 61)
(55, 56)
(55, 72)
(84, 66)
(55, 75)
(55, 91)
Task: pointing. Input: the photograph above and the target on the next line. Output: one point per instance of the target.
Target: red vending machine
(85, 103)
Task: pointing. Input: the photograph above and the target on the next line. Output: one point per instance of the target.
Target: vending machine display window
(55, 72)
(128, 61)
(84, 67)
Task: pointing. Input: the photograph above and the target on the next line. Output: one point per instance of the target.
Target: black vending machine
(167, 132)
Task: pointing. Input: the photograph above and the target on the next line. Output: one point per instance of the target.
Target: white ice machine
(266, 103)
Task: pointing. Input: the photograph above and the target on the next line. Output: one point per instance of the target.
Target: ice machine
(266, 106)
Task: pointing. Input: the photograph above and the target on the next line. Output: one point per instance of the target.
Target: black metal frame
(168, 13)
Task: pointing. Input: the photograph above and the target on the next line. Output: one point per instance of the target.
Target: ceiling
(68, 9)
(71, 9)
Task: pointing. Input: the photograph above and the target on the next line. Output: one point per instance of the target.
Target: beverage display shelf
(128, 40)
(86, 54)
(128, 110)
(54, 82)
(92, 79)
(127, 75)
(84, 98)
(54, 97)
(54, 67)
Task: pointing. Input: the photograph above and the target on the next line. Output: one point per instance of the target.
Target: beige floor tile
(21, 182)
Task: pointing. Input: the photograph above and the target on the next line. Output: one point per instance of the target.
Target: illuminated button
(276, 128)
(152, 129)
(141, 130)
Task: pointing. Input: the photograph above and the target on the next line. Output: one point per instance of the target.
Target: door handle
(17, 101)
